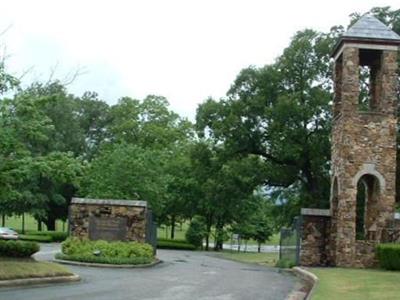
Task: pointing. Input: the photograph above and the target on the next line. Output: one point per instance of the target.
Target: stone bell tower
(363, 142)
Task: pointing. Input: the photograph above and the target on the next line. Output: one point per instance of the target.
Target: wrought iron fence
(151, 230)
(289, 245)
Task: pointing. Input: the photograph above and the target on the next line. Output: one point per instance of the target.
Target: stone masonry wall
(314, 249)
(363, 143)
(80, 214)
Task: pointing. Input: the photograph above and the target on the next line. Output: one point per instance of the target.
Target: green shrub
(389, 256)
(85, 248)
(18, 248)
(36, 238)
(174, 244)
(285, 263)
(196, 232)
(106, 260)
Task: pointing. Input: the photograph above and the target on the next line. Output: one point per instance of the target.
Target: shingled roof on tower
(368, 29)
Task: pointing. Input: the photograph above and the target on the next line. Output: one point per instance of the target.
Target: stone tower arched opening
(367, 207)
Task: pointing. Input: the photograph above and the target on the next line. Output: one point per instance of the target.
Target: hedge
(75, 247)
(36, 238)
(174, 244)
(389, 256)
(18, 248)
(106, 260)
(55, 236)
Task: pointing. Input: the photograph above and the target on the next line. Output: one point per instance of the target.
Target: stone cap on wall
(315, 212)
(109, 202)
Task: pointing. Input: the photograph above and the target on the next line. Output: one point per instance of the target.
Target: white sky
(185, 50)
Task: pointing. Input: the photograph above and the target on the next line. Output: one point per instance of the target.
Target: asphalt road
(182, 276)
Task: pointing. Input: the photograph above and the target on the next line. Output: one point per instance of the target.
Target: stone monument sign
(111, 220)
(107, 228)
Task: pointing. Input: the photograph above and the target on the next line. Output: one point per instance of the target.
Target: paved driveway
(182, 276)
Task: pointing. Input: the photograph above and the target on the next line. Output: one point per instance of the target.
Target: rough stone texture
(365, 254)
(363, 150)
(80, 214)
(363, 143)
(314, 240)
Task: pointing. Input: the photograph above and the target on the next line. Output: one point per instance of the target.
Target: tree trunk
(219, 241)
(39, 225)
(208, 228)
(172, 227)
(259, 247)
(3, 220)
(23, 223)
(50, 223)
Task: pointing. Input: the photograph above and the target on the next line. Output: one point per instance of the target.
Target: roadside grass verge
(356, 284)
(266, 259)
(12, 268)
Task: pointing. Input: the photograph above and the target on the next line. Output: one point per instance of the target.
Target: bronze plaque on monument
(107, 228)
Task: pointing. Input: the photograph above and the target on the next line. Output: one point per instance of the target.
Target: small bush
(106, 260)
(285, 263)
(389, 256)
(196, 232)
(36, 238)
(75, 247)
(174, 244)
(18, 248)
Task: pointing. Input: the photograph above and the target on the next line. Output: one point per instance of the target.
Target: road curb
(308, 277)
(97, 265)
(39, 280)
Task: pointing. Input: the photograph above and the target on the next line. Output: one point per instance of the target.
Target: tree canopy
(249, 163)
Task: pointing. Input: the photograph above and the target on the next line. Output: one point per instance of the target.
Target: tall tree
(126, 171)
(224, 185)
(148, 123)
(281, 113)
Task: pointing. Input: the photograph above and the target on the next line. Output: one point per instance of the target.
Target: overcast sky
(184, 50)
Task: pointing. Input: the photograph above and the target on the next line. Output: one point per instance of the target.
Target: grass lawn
(15, 222)
(180, 231)
(356, 284)
(265, 259)
(12, 268)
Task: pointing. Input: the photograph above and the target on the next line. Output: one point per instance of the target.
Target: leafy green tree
(196, 231)
(281, 113)
(125, 171)
(61, 109)
(55, 179)
(180, 188)
(223, 186)
(94, 118)
(263, 229)
(148, 123)
(7, 81)
(22, 126)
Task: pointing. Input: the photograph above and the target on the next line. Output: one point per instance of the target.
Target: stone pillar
(364, 148)
(350, 84)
